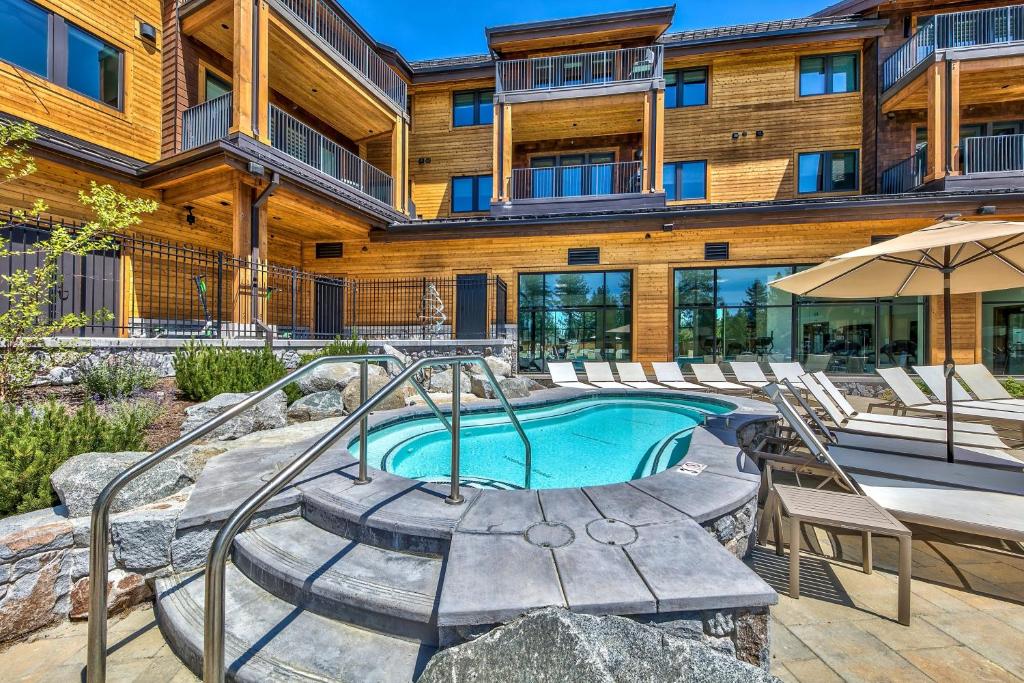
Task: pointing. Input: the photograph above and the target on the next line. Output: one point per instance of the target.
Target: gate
(471, 306)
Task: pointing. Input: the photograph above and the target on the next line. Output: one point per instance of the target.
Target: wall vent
(328, 249)
(878, 239)
(716, 251)
(585, 256)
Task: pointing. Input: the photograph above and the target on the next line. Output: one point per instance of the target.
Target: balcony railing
(992, 154)
(580, 69)
(957, 29)
(325, 22)
(301, 142)
(907, 175)
(589, 180)
(206, 122)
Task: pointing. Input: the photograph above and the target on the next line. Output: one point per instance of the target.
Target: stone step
(384, 590)
(268, 639)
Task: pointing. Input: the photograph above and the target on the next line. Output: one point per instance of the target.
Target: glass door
(570, 175)
(602, 169)
(542, 177)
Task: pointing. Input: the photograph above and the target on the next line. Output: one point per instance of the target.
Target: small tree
(30, 293)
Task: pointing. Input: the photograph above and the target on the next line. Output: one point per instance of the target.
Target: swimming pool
(578, 442)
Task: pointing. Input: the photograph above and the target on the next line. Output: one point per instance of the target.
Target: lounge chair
(671, 376)
(956, 497)
(632, 374)
(935, 379)
(817, 362)
(710, 375)
(564, 375)
(790, 371)
(984, 385)
(600, 375)
(909, 397)
(749, 374)
(852, 413)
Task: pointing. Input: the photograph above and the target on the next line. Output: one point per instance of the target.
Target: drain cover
(611, 532)
(550, 535)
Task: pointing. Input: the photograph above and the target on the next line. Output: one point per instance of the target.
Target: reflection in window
(94, 68)
(23, 35)
(1002, 331)
(828, 74)
(686, 88)
(215, 86)
(827, 172)
(471, 193)
(685, 180)
(473, 108)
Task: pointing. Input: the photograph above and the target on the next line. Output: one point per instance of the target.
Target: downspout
(254, 240)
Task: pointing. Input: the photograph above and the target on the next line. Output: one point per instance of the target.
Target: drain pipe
(254, 238)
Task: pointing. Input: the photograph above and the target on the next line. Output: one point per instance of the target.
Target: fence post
(295, 301)
(220, 293)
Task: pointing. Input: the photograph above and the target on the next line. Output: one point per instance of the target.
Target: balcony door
(573, 175)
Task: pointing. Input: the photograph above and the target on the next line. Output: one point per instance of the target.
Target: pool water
(581, 442)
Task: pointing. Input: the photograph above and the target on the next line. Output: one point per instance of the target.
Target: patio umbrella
(952, 257)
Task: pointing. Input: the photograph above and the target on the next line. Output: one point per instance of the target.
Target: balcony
(986, 162)
(206, 122)
(992, 154)
(955, 30)
(907, 175)
(587, 187)
(607, 71)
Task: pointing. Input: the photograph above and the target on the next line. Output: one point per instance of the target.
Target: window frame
(828, 57)
(678, 73)
(476, 192)
(206, 70)
(826, 180)
(679, 180)
(478, 102)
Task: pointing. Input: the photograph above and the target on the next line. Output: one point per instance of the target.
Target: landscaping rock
(268, 414)
(80, 479)
(36, 599)
(32, 533)
(557, 645)
(318, 406)
(124, 590)
(518, 387)
(481, 386)
(62, 376)
(327, 377)
(441, 382)
(376, 381)
(499, 367)
(141, 538)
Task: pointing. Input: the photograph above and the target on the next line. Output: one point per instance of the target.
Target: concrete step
(268, 639)
(384, 590)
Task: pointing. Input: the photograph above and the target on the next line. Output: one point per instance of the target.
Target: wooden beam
(953, 126)
(496, 154)
(936, 161)
(648, 177)
(659, 147)
(210, 13)
(400, 162)
(506, 152)
(241, 70)
(204, 185)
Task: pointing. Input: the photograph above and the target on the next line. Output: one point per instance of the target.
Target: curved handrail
(96, 664)
(216, 563)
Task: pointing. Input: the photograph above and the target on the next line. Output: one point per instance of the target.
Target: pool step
(269, 639)
(385, 590)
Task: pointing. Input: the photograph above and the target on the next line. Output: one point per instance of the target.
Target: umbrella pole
(949, 367)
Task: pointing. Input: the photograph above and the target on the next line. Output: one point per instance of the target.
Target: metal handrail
(216, 563)
(992, 153)
(96, 662)
(580, 69)
(206, 122)
(906, 175)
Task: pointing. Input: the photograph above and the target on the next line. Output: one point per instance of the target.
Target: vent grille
(716, 251)
(878, 239)
(328, 249)
(585, 256)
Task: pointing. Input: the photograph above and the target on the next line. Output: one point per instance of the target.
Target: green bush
(36, 441)
(202, 372)
(118, 377)
(338, 347)
(1014, 387)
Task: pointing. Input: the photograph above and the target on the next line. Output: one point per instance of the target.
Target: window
(735, 314)
(45, 44)
(828, 74)
(686, 88)
(214, 86)
(574, 316)
(471, 193)
(827, 172)
(686, 180)
(1002, 331)
(473, 108)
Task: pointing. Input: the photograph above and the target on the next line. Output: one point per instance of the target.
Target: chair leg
(767, 517)
(904, 579)
(794, 558)
(779, 548)
(865, 551)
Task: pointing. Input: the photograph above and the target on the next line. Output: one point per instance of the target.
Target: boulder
(441, 382)
(141, 537)
(557, 645)
(32, 533)
(268, 414)
(351, 396)
(518, 387)
(37, 598)
(80, 479)
(318, 406)
(124, 590)
(331, 376)
(499, 367)
(481, 386)
(62, 376)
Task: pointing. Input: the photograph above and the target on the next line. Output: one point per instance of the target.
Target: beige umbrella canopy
(955, 257)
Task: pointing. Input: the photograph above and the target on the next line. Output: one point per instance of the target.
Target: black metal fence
(153, 288)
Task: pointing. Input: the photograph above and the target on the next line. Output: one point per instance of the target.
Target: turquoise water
(586, 442)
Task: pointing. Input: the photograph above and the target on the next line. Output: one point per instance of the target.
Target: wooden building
(598, 186)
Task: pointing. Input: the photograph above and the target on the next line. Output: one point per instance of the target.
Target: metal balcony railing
(992, 154)
(206, 122)
(588, 180)
(312, 148)
(907, 175)
(326, 23)
(580, 69)
(957, 29)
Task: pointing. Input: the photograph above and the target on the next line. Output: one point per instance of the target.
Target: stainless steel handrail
(216, 563)
(96, 662)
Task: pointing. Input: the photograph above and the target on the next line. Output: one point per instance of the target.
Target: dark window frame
(678, 74)
(825, 178)
(828, 58)
(476, 192)
(57, 56)
(679, 180)
(479, 101)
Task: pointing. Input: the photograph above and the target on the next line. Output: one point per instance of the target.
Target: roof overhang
(651, 22)
(848, 7)
(851, 30)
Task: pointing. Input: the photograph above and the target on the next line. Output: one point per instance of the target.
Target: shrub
(36, 441)
(1014, 387)
(202, 372)
(118, 377)
(338, 347)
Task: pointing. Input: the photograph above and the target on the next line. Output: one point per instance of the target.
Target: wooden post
(936, 161)
(400, 163)
(262, 115)
(241, 68)
(649, 132)
(953, 93)
(506, 153)
(238, 276)
(658, 160)
(496, 152)
(127, 308)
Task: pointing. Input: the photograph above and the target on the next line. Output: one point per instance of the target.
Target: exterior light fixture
(986, 210)
(190, 218)
(147, 32)
(668, 227)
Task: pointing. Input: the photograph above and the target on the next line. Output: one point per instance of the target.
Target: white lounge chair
(935, 379)
(790, 371)
(564, 375)
(600, 375)
(817, 362)
(671, 376)
(984, 384)
(909, 397)
(710, 375)
(749, 374)
(632, 374)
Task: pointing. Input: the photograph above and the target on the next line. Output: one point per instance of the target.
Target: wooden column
(648, 141)
(400, 163)
(262, 115)
(127, 308)
(502, 158)
(953, 93)
(250, 69)
(238, 278)
(658, 161)
(935, 85)
(497, 130)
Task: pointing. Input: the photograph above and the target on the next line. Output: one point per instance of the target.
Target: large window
(828, 74)
(574, 316)
(686, 180)
(734, 314)
(1002, 331)
(45, 44)
(473, 108)
(827, 172)
(686, 88)
(471, 193)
